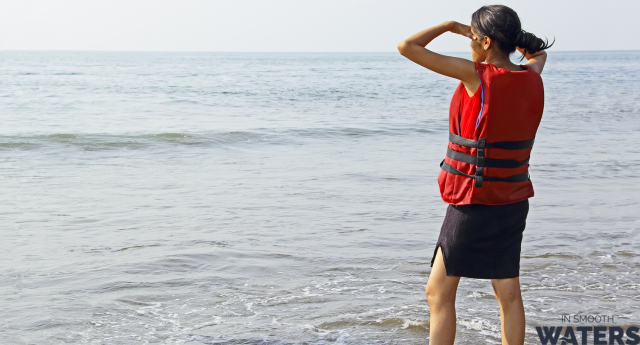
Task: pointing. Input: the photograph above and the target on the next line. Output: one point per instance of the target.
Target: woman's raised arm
(413, 48)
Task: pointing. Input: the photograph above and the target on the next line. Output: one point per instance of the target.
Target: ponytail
(530, 42)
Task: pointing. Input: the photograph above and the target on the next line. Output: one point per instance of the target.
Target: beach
(290, 198)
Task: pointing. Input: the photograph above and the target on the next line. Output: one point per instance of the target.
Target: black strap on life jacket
(507, 145)
(480, 161)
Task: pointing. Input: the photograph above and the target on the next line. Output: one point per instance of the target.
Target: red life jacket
(487, 158)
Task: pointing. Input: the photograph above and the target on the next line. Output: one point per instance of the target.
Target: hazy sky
(295, 25)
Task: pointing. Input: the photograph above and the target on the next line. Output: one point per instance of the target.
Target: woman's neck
(501, 61)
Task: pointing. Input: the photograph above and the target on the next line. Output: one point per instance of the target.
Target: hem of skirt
(473, 276)
(456, 273)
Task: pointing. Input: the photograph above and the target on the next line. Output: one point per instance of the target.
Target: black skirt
(483, 241)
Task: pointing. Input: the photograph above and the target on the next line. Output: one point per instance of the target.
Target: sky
(296, 25)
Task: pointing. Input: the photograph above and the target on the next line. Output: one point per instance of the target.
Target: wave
(89, 141)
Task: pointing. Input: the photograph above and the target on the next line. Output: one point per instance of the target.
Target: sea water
(221, 198)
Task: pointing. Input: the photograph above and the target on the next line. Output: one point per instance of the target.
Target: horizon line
(269, 52)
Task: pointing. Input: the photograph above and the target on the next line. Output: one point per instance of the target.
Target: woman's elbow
(402, 47)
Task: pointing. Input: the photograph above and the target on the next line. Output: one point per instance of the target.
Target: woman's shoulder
(489, 66)
(522, 74)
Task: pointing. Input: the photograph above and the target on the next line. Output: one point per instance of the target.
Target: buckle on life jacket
(480, 162)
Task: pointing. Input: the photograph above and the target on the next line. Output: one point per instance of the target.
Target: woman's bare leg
(441, 296)
(511, 310)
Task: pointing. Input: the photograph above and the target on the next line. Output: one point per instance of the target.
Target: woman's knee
(440, 289)
(507, 290)
(439, 295)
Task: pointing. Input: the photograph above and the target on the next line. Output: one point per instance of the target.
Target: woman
(493, 119)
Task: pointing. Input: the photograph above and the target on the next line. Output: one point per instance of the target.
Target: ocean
(282, 198)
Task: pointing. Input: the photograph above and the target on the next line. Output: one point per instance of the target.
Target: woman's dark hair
(502, 25)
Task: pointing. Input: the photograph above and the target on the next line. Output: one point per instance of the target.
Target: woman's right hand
(460, 29)
(414, 49)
